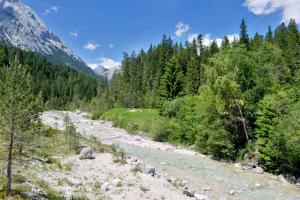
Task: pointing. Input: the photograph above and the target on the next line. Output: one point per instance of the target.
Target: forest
(59, 85)
(235, 101)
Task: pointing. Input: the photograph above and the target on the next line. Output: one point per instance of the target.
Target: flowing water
(219, 176)
(202, 173)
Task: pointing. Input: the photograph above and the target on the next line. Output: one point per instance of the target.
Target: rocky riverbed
(179, 173)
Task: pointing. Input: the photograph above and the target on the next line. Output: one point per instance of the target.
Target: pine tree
(244, 38)
(17, 109)
(256, 42)
(293, 46)
(269, 35)
(280, 36)
(225, 43)
(213, 48)
(172, 82)
(193, 77)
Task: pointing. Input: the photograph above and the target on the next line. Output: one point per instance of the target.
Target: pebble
(198, 196)
(105, 187)
(231, 192)
(116, 181)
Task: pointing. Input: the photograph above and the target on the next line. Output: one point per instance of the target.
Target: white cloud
(46, 12)
(233, 37)
(111, 46)
(109, 63)
(105, 66)
(207, 40)
(91, 46)
(54, 8)
(181, 28)
(289, 8)
(192, 37)
(74, 33)
(49, 10)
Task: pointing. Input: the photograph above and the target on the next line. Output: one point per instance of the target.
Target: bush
(160, 131)
(137, 121)
(18, 178)
(171, 108)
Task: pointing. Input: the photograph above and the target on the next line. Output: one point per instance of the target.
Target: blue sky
(101, 30)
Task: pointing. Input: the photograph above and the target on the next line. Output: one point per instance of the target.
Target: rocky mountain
(21, 27)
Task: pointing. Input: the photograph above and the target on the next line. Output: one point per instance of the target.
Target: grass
(97, 186)
(50, 146)
(51, 194)
(79, 197)
(136, 169)
(139, 121)
(144, 189)
(119, 154)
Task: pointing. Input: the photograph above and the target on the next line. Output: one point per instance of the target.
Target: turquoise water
(218, 175)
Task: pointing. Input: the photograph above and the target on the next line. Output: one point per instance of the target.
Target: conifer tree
(293, 46)
(17, 109)
(257, 41)
(225, 43)
(213, 48)
(280, 36)
(269, 35)
(172, 80)
(244, 37)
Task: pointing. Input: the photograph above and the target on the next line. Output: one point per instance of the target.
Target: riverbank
(223, 180)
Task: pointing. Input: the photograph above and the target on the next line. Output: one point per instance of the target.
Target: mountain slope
(21, 27)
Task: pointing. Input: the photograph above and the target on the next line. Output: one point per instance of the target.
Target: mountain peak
(21, 27)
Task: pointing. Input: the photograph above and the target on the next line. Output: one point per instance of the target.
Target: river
(216, 177)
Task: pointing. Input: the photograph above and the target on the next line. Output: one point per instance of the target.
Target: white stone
(116, 182)
(105, 187)
(199, 196)
(86, 153)
(257, 185)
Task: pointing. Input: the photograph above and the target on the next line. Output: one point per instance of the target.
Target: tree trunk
(9, 163)
(244, 122)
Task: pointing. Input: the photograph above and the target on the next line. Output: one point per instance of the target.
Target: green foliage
(58, 84)
(51, 194)
(172, 80)
(227, 101)
(119, 154)
(71, 135)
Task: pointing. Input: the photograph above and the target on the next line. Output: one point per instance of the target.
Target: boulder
(86, 153)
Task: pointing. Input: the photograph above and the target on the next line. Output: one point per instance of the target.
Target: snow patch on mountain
(21, 27)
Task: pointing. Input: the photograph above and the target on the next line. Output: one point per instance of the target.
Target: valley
(168, 99)
(213, 178)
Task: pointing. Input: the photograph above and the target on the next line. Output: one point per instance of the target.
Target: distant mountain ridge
(21, 27)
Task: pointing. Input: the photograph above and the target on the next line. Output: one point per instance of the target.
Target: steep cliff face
(21, 27)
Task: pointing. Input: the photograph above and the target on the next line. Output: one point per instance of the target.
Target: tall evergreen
(269, 35)
(244, 37)
(225, 43)
(280, 36)
(18, 112)
(172, 82)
